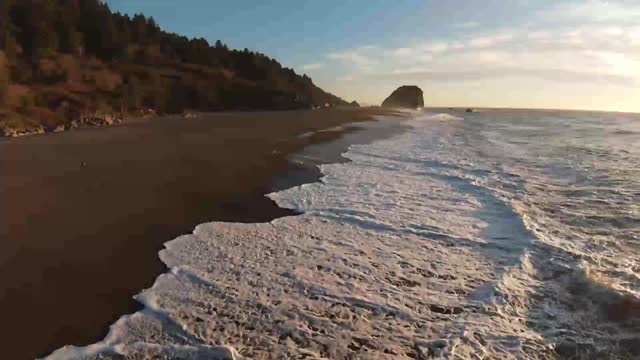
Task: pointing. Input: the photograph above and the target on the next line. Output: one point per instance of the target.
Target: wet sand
(84, 213)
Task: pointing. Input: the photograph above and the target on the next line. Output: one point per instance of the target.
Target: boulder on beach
(405, 97)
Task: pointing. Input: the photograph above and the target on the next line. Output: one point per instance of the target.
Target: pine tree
(4, 79)
(69, 36)
(131, 92)
(152, 31)
(139, 29)
(5, 22)
(34, 19)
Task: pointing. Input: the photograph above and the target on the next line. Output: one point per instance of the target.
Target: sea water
(494, 234)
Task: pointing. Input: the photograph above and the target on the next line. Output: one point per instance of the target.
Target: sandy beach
(84, 213)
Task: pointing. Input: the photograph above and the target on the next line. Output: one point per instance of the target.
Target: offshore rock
(405, 97)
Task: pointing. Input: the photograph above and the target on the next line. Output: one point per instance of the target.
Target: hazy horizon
(580, 55)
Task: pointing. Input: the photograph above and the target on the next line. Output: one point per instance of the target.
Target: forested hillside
(69, 63)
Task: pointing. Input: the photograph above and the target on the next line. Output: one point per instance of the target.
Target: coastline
(69, 273)
(405, 250)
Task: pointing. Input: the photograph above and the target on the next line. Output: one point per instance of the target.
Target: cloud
(490, 40)
(591, 52)
(354, 56)
(596, 11)
(424, 50)
(467, 25)
(404, 52)
(551, 75)
(570, 47)
(435, 46)
(312, 66)
(347, 78)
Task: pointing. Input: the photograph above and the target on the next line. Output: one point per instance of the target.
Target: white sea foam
(419, 247)
(443, 117)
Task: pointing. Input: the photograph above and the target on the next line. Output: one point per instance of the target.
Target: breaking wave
(443, 117)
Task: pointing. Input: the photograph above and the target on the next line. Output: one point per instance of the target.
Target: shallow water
(504, 234)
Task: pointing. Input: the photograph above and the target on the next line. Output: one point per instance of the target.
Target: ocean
(511, 234)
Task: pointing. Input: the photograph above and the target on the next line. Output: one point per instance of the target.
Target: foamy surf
(444, 117)
(435, 243)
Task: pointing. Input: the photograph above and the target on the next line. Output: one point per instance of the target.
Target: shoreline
(70, 273)
(86, 121)
(99, 120)
(400, 251)
(303, 169)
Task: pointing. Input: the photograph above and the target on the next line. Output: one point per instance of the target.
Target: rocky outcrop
(96, 120)
(354, 104)
(86, 120)
(11, 131)
(405, 97)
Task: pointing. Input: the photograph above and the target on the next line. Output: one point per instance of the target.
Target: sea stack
(408, 96)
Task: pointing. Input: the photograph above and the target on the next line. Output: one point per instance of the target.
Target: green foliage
(90, 80)
(4, 82)
(153, 31)
(10, 47)
(26, 104)
(71, 41)
(22, 72)
(5, 22)
(131, 91)
(4, 91)
(139, 29)
(34, 21)
(51, 77)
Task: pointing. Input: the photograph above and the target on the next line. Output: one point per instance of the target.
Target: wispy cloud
(575, 46)
(425, 74)
(435, 46)
(361, 57)
(347, 78)
(491, 40)
(590, 52)
(424, 51)
(467, 25)
(596, 10)
(312, 66)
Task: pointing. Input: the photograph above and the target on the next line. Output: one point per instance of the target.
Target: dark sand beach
(84, 213)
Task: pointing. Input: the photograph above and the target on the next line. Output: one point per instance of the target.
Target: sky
(470, 53)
